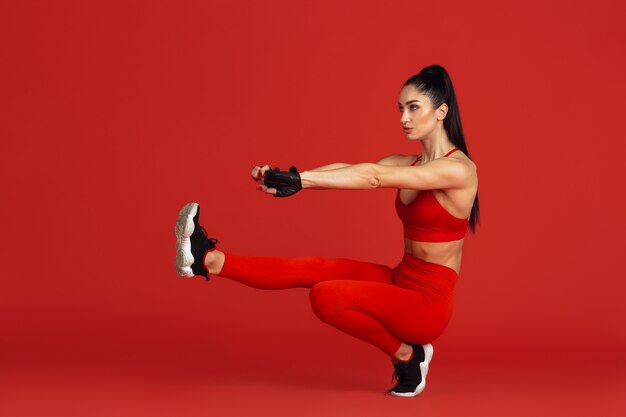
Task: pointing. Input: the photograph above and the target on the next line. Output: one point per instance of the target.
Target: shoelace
(398, 373)
(211, 239)
(395, 377)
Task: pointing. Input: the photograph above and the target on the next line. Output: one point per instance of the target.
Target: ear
(442, 111)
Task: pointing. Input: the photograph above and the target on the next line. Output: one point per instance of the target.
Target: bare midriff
(443, 253)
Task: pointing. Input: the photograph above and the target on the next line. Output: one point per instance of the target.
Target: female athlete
(400, 310)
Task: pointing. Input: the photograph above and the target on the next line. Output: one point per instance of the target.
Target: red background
(114, 114)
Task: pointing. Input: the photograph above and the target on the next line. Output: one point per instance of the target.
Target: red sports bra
(425, 219)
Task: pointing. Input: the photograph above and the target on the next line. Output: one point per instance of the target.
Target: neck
(436, 146)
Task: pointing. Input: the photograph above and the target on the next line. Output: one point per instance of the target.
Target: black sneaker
(411, 375)
(192, 243)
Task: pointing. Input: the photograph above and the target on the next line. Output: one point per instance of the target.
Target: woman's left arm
(353, 177)
(437, 174)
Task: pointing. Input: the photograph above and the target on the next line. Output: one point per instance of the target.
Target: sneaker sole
(428, 355)
(184, 228)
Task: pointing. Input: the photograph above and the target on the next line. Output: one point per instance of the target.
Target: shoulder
(465, 167)
(463, 160)
(398, 159)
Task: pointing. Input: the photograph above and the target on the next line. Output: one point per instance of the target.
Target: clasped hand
(276, 182)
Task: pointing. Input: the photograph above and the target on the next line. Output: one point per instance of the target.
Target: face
(418, 118)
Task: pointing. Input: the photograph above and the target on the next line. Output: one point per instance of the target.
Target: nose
(404, 119)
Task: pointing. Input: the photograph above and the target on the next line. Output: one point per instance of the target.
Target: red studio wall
(115, 114)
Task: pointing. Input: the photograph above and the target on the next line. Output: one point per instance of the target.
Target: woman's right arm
(329, 167)
(395, 159)
(258, 172)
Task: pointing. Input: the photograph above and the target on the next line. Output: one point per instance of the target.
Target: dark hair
(434, 82)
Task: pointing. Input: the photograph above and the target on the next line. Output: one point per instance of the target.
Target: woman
(400, 310)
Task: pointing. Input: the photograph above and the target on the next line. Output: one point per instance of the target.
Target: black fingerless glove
(286, 182)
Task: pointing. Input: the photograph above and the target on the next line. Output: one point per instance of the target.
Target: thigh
(353, 270)
(407, 313)
(304, 271)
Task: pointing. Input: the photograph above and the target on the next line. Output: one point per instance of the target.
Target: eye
(400, 108)
(414, 107)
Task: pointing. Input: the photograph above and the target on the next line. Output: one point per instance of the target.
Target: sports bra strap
(452, 150)
(420, 155)
(418, 158)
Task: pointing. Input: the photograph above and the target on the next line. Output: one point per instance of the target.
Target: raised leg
(274, 273)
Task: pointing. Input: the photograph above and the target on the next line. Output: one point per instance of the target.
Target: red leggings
(384, 306)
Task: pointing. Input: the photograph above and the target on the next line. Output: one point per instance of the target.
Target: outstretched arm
(437, 174)
(337, 175)
(329, 167)
(388, 172)
(351, 177)
(258, 172)
(391, 160)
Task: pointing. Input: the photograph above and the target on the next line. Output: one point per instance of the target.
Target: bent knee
(324, 298)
